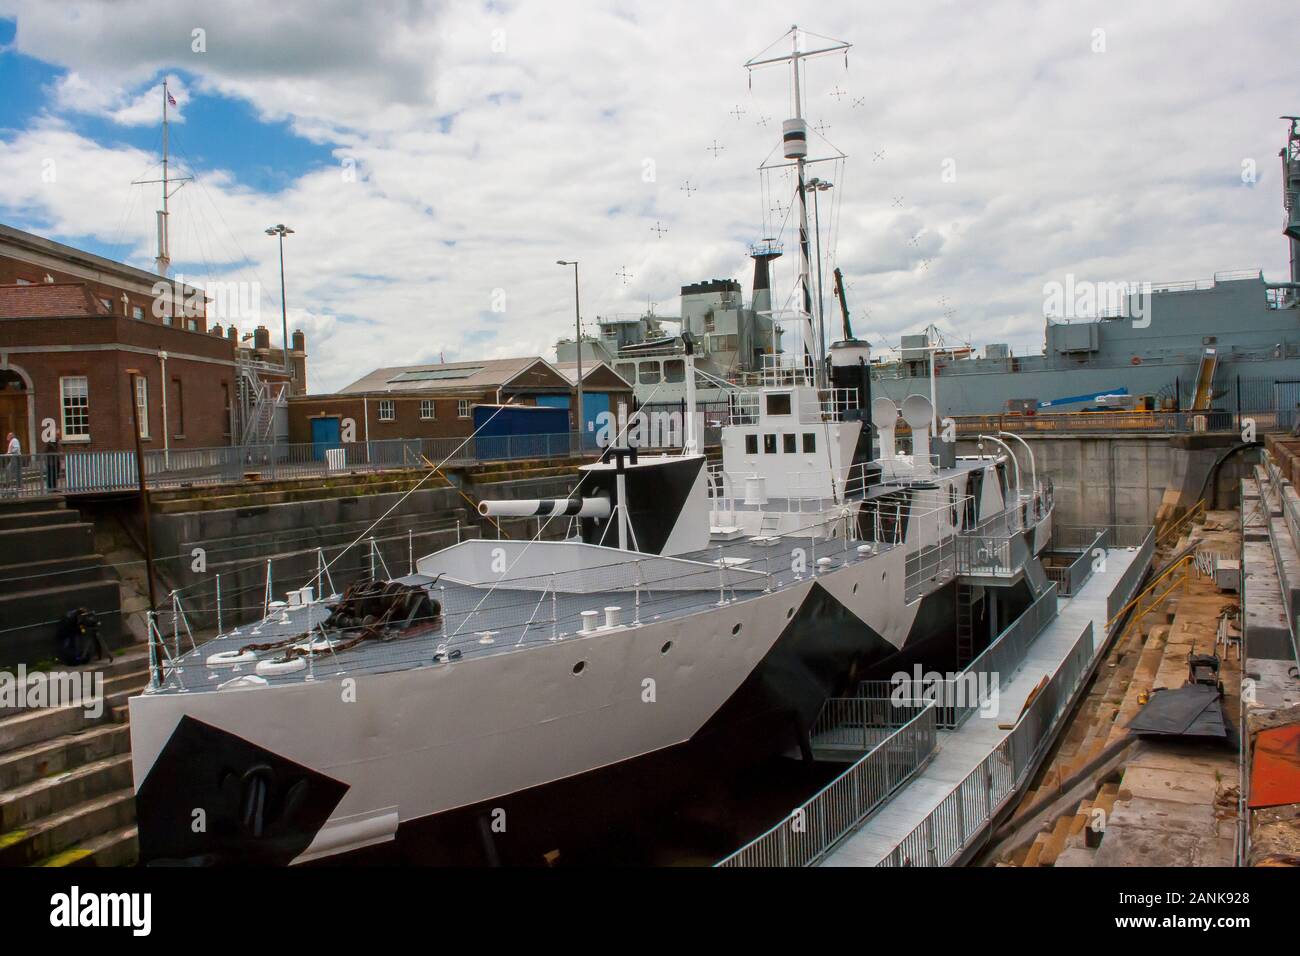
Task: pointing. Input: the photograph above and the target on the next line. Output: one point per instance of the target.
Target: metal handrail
(1177, 525)
(815, 826)
(949, 829)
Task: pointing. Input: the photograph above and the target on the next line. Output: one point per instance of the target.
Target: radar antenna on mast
(794, 135)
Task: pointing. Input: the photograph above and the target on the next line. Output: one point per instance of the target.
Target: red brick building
(71, 326)
(437, 401)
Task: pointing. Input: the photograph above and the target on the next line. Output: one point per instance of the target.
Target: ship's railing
(903, 468)
(786, 368)
(830, 406)
(929, 567)
(804, 837)
(525, 597)
(950, 829)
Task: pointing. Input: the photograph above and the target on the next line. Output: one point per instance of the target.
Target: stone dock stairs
(48, 566)
(66, 795)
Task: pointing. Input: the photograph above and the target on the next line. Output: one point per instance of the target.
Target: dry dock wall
(1120, 478)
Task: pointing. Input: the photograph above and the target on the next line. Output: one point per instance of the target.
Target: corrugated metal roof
(486, 373)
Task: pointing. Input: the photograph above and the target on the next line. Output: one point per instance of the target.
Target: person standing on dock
(52, 462)
(14, 461)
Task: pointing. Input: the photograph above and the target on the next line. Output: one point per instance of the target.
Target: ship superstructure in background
(1194, 347)
(508, 700)
(731, 338)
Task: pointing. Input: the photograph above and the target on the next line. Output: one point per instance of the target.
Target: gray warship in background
(1220, 345)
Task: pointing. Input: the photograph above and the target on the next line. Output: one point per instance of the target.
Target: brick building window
(462, 408)
(137, 313)
(387, 411)
(142, 405)
(74, 393)
(427, 411)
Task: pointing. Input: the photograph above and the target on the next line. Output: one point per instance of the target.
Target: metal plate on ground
(1191, 711)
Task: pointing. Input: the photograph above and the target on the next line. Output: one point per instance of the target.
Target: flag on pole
(171, 99)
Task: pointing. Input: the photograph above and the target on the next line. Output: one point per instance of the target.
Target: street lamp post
(577, 322)
(281, 230)
(134, 378)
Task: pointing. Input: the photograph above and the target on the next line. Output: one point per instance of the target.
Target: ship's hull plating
(479, 759)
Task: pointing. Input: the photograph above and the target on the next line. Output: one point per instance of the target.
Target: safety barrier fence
(1071, 577)
(1108, 422)
(1131, 579)
(961, 695)
(80, 472)
(949, 829)
(816, 825)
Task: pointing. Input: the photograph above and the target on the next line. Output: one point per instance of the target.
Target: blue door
(325, 433)
(593, 404)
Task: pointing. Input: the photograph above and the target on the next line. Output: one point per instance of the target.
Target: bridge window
(809, 442)
(778, 404)
(769, 444)
(649, 373)
(674, 370)
(789, 444)
(751, 444)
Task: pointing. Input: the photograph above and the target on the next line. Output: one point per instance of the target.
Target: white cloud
(491, 140)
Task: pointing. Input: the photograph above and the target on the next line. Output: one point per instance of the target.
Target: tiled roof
(48, 300)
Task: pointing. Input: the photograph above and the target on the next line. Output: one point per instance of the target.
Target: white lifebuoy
(243, 682)
(276, 668)
(231, 658)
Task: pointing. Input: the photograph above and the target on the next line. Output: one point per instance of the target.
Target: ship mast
(163, 261)
(794, 135)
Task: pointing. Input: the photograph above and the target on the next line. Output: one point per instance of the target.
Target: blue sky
(435, 157)
(218, 132)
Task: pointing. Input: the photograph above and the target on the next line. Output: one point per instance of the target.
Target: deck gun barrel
(595, 507)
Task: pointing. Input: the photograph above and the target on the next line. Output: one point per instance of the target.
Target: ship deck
(513, 619)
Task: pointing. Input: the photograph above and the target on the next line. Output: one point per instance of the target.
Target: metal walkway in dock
(960, 752)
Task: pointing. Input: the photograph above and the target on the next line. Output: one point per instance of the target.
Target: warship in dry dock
(1205, 346)
(509, 700)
